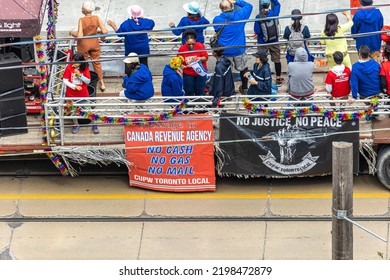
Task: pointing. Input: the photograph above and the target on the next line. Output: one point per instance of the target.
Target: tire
(383, 167)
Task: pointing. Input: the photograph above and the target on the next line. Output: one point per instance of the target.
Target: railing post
(342, 200)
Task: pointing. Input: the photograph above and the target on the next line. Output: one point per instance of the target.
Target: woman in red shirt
(195, 67)
(76, 78)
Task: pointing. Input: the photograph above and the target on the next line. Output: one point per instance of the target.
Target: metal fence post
(342, 201)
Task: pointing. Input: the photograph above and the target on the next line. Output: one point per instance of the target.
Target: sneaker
(95, 129)
(75, 129)
(242, 91)
(279, 82)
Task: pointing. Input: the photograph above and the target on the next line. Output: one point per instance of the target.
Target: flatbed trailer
(49, 133)
(374, 135)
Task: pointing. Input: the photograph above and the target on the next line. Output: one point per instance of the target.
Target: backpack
(270, 29)
(295, 41)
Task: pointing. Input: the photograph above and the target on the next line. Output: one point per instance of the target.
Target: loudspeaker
(25, 52)
(12, 106)
(18, 92)
(13, 125)
(12, 78)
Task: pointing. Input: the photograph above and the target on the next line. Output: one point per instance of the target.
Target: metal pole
(342, 170)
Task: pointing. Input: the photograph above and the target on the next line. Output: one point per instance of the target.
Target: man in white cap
(137, 43)
(193, 18)
(138, 80)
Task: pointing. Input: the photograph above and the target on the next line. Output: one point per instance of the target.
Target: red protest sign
(175, 155)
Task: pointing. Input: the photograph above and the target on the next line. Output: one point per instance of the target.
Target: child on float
(337, 79)
(76, 78)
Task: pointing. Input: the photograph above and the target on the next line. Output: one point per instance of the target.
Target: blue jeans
(194, 85)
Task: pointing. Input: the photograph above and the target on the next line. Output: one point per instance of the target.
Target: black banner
(266, 146)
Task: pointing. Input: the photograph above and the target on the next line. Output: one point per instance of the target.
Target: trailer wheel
(383, 167)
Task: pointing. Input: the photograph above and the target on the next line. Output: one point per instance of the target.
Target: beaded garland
(43, 96)
(292, 113)
(70, 107)
(52, 13)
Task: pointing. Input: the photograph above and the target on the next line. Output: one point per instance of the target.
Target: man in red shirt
(337, 79)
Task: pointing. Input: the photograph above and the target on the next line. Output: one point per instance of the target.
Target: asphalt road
(101, 217)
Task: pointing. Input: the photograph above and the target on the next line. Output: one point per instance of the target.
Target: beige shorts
(274, 51)
(239, 61)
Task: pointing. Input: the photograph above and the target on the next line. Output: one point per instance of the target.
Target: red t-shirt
(69, 74)
(384, 36)
(385, 71)
(187, 57)
(340, 83)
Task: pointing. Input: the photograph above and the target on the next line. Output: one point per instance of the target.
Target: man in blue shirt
(368, 20)
(233, 35)
(267, 32)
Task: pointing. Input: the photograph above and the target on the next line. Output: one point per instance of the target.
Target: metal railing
(120, 107)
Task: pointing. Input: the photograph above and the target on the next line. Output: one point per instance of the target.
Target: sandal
(102, 87)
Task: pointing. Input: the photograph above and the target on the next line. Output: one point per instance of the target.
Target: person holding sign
(76, 79)
(195, 66)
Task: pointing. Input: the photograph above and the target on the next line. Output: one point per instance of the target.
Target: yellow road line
(187, 196)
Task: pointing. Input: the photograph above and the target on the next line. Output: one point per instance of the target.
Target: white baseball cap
(131, 58)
